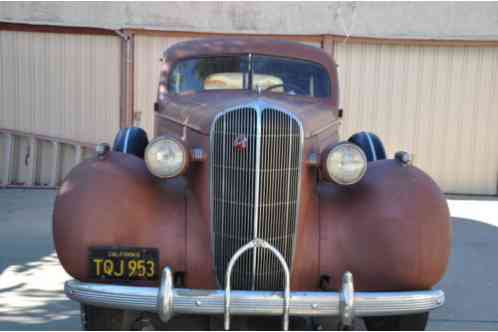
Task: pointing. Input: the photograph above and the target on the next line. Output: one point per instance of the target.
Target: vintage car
(247, 204)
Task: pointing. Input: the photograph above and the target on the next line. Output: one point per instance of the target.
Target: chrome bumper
(168, 301)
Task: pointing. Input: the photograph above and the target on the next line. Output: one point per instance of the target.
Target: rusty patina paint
(117, 202)
(391, 229)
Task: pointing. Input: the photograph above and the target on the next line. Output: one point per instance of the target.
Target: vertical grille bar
(254, 192)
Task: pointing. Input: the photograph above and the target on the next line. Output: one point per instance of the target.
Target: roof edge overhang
(47, 27)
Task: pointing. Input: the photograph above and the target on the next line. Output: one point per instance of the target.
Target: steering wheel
(287, 85)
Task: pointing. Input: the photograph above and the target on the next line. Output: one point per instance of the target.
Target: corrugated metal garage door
(55, 85)
(60, 85)
(439, 103)
(148, 52)
(436, 102)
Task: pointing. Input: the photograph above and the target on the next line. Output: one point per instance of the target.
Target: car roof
(246, 45)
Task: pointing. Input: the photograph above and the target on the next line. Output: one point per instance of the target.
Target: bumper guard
(168, 301)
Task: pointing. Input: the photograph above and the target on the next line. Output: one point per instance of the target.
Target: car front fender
(391, 230)
(115, 201)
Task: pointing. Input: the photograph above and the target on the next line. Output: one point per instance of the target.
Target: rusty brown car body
(391, 229)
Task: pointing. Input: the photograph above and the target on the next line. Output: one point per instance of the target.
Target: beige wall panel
(21, 160)
(67, 158)
(148, 52)
(60, 85)
(437, 102)
(38, 161)
(3, 163)
(44, 163)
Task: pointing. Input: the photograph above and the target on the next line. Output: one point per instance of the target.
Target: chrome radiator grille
(255, 160)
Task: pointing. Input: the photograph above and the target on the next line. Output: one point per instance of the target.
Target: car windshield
(276, 74)
(214, 73)
(297, 77)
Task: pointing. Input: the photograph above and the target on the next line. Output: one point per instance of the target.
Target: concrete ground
(31, 279)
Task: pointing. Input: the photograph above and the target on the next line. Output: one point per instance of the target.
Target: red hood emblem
(240, 143)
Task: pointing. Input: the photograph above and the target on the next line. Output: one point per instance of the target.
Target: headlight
(345, 163)
(166, 157)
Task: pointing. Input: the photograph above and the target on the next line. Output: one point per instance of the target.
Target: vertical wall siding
(148, 53)
(438, 103)
(32, 160)
(60, 85)
(3, 159)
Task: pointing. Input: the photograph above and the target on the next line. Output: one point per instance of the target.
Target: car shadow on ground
(32, 297)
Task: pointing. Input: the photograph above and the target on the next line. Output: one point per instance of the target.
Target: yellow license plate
(123, 263)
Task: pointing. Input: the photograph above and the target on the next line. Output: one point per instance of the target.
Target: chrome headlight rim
(333, 178)
(186, 157)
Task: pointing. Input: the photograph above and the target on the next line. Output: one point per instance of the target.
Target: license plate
(123, 263)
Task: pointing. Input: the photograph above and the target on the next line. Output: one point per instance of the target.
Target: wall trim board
(322, 37)
(127, 73)
(192, 34)
(10, 26)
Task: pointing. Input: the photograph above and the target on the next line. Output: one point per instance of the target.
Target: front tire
(105, 319)
(415, 322)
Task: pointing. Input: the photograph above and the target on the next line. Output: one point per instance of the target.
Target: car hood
(197, 111)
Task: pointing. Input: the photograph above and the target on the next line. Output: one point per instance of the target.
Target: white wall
(439, 20)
